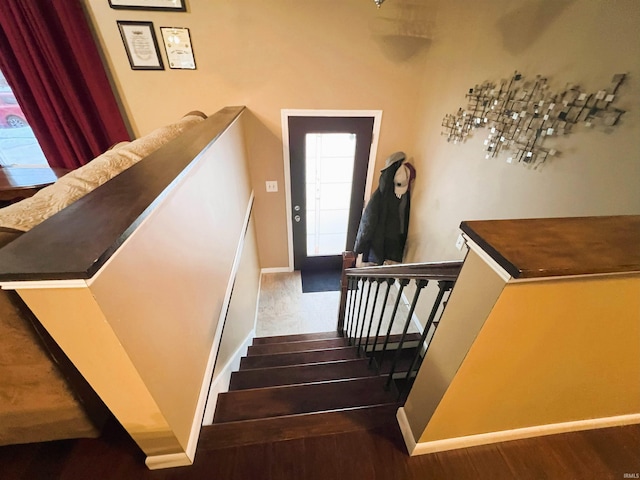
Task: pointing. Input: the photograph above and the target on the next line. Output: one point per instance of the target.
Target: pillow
(28, 213)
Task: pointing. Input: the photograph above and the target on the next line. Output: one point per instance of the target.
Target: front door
(329, 158)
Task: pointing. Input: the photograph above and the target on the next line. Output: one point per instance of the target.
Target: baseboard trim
(255, 315)
(171, 460)
(405, 428)
(414, 318)
(276, 270)
(515, 434)
(220, 383)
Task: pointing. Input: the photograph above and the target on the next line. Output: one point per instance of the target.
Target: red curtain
(49, 58)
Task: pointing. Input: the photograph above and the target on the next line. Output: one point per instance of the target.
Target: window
(329, 174)
(18, 144)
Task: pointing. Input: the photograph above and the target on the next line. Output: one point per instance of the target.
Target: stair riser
(233, 434)
(279, 401)
(297, 358)
(403, 363)
(290, 347)
(296, 338)
(271, 377)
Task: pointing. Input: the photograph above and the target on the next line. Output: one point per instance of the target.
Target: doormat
(320, 280)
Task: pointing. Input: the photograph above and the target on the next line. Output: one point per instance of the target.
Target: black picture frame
(171, 5)
(141, 45)
(173, 61)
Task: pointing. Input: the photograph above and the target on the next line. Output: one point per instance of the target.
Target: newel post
(348, 261)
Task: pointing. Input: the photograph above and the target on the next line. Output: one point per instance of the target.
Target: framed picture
(140, 43)
(176, 5)
(177, 45)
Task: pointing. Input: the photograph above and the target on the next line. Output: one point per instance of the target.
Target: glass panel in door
(329, 162)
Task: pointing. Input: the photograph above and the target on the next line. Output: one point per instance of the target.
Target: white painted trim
(407, 303)
(573, 277)
(373, 153)
(405, 428)
(521, 433)
(41, 284)
(276, 270)
(220, 383)
(502, 273)
(255, 315)
(198, 416)
(284, 117)
(170, 460)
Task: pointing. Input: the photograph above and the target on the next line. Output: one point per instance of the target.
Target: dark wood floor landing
(365, 454)
(308, 423)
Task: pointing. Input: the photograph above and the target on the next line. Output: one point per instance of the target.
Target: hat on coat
(393, 158)
(402, 179)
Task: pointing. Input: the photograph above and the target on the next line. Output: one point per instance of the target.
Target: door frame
(284, 116)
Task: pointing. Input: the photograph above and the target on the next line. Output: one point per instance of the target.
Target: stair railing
(361, 313)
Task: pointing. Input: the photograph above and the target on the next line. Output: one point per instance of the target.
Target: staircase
(298, 386)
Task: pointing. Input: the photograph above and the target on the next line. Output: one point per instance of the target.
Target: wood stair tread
(297, 374)
(287, 347)
(295, 358)
(300, 337)
(294, 399)
(246, 432)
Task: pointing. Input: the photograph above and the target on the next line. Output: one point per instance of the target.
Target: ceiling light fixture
(378, 3)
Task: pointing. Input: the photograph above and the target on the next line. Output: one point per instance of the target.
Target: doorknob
(297, 208)
(297, 218)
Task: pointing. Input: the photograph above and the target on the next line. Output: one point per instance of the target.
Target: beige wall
(414, 60)
(579, 41)
(335, 54)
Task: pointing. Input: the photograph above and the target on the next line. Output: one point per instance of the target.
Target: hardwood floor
(363, 454)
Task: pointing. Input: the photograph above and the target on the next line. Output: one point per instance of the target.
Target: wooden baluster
(348, 261)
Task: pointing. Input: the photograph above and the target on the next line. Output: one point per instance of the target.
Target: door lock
(297, 208)
(297, 218)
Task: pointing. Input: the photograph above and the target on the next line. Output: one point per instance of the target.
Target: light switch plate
(272, 185)
(460, 242)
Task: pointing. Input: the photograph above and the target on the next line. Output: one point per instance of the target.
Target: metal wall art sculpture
(521, 114)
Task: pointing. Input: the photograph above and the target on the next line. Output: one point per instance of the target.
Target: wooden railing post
(348, 261)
